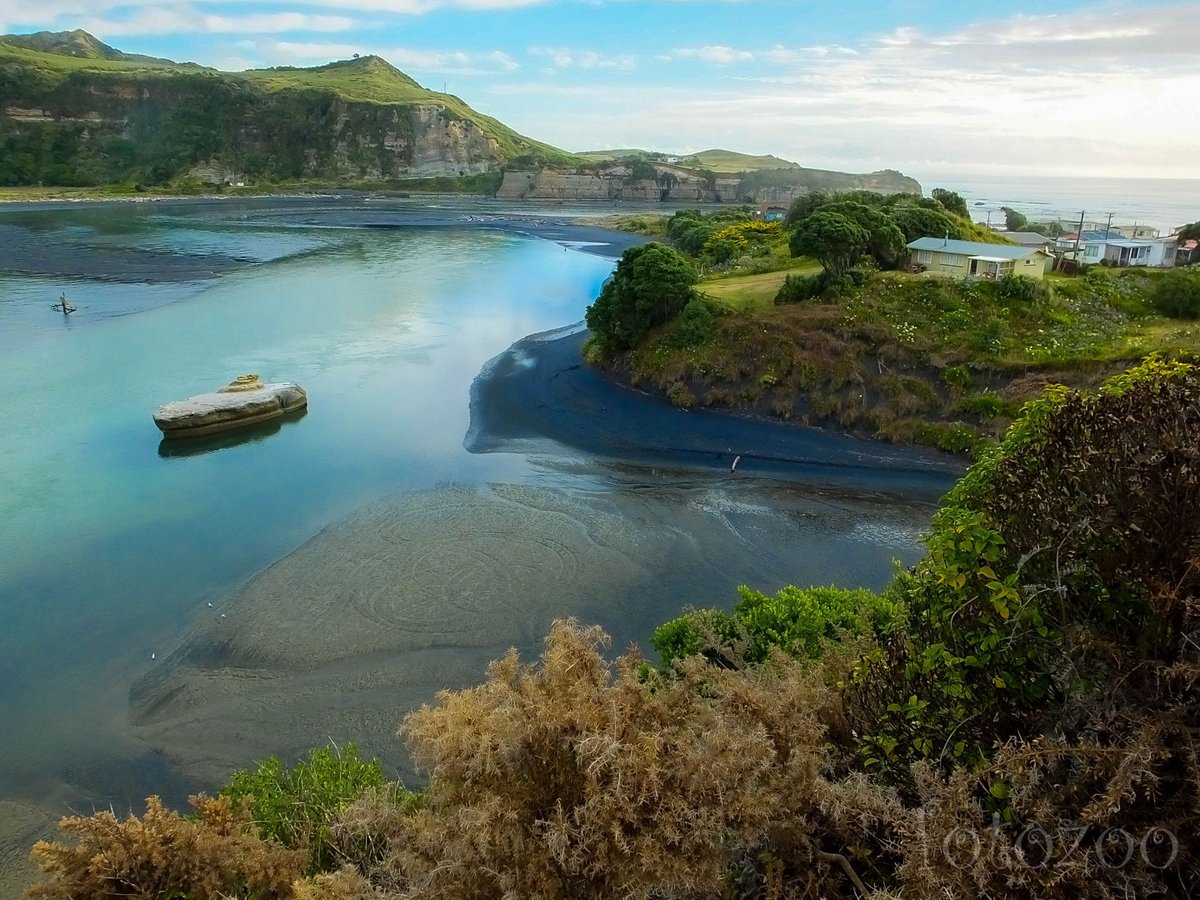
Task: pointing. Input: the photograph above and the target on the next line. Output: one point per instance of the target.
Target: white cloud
(179, 18)
(567, 58)
(716, 54)
(1106, 91)
(438, 62)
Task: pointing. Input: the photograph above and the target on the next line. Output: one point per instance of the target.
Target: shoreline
(541, 389)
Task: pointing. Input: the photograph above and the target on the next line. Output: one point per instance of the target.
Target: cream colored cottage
(969, 259)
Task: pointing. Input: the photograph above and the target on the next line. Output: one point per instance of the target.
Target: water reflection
(252, 434)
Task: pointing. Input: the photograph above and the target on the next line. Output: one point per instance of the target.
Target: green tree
(952, 202)
(917, 222)
(833, 239)
(1013, 220)
(651, 284)
(885, 241)
(804, 206)
(1177, 294)
(1190, 232)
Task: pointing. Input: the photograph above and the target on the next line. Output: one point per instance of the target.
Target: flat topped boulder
(245, 401)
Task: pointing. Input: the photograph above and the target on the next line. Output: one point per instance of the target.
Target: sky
(983, 88)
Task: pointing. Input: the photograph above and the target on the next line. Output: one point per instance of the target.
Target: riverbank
(541, 389)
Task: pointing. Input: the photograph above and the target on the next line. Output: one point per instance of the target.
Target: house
(1028, 238)
(1108, 249)
(769, 213)
(1132, 232)
(1137, 232)
(1187, 253)
(970, 259)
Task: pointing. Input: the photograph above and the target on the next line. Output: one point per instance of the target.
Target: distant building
(1028, 238)
(1114, 249)
(971, 259)
(1132, 232)
(1187, 253)
(769, 213)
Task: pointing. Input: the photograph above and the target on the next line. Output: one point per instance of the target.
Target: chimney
(946, 240)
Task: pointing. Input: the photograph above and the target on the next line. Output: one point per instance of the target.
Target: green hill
(720, 161)
(75, 111)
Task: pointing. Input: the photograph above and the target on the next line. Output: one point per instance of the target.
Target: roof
(1030, 238)
(1103, 236)
(973, 248)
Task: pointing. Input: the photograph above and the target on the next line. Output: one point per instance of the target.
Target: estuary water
(168, 613)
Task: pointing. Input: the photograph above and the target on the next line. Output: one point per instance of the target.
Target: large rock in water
(245, 401)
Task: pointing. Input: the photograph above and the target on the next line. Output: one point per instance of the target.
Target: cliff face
(673, 184)
(111, 119)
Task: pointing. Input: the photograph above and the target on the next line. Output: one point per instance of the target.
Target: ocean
(1163, 203)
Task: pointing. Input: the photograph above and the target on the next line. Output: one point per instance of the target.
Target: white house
(1158, 253)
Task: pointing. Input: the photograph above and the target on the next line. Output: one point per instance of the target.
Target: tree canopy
(650, 285)
(952, 202)
(840, 234)
(1013, 220)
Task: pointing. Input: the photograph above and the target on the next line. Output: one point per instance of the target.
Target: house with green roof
(969, 259)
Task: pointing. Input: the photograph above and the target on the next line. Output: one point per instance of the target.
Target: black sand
(540, 389)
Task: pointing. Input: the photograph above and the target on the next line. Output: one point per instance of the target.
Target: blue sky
(927, 86)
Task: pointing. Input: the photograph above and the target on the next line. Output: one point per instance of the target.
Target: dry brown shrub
(344, 884)
(161, 854)
(1112, 815)
(577, 778)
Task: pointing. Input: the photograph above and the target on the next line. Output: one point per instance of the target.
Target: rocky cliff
(675, 184)
(82, 113)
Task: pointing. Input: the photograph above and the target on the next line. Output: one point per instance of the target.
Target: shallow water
(111, 549)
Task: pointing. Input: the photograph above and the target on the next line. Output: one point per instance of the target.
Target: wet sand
(416, 594)
(541, 389)
(23, 252)
(21, 825)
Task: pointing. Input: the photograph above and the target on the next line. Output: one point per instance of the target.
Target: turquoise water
(108, 546)
(111, 547)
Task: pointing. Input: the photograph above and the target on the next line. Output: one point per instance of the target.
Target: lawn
(749, 292)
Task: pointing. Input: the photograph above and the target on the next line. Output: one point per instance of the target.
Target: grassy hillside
(910, 358)
(371, 79)
(723, 162)
(81, 45)
(88, 114)
(729, 162)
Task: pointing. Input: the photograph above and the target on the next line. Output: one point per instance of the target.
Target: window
(952, 259)
(924, 256)
(1092, 251)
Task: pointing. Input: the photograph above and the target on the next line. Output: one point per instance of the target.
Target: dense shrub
(213, 856)
(1177, 294)
(800, 621)
(297, 807)
(1064, 560)
(1019, 289)
(577, 778)
(693, 326)
(798, 288)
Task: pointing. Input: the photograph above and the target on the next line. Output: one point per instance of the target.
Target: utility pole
(1078, 238)
(1108, 227)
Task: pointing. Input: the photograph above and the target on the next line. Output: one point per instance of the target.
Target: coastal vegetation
(812, 320)
(1013, 717)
